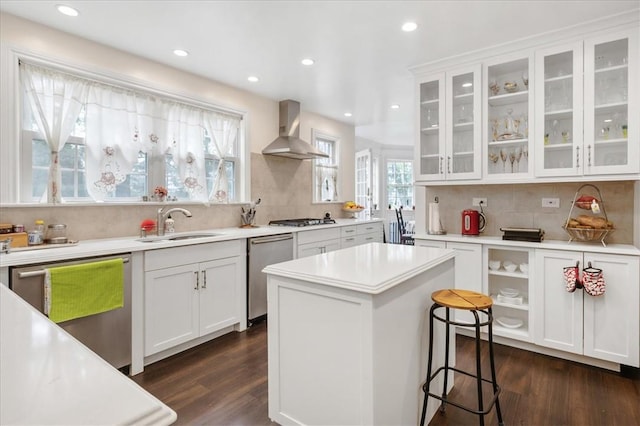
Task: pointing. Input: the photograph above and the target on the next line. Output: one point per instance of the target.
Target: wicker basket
(587, 234)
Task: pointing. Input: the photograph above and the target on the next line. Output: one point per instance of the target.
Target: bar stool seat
(478, 304)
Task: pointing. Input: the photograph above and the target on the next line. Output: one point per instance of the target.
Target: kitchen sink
(177, 237)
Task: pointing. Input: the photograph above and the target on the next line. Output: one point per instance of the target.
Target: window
(400, 183)
(325, 170)
(124, 143)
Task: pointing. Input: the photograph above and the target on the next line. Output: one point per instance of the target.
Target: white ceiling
(362, 56)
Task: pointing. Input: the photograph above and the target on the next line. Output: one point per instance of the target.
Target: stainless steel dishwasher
(108, 334)
(262, 252)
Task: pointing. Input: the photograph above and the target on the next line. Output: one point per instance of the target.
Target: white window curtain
(56, 100)
(327, 181)
(120, 124)
(223, 131)
(186, 132)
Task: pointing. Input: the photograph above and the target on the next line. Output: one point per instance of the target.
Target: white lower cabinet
(604, 327)
(324, 240)
(189, 296)
(467, 269)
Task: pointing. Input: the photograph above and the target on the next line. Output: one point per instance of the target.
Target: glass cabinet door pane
(430, 155)
(508, 118)
(463, 124)
(610, 112)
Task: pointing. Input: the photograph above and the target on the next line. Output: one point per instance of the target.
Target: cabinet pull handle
(448, 164)
(589, 155)
(441, 165)
(577, 157)
(197, 280)
(204, 279)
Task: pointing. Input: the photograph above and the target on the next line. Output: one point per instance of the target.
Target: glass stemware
(518, 155)
(503, 157)
(512, 159)
(493, 157)
(525, 79)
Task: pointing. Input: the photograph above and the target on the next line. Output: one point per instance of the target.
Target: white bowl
(509, 292)
(510, 267)
(524, 267)
(494, 265)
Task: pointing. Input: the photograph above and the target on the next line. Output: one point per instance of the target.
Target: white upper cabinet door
(508, 117)
(611, 320)
(611, 92)
(463, 124)
(558, 146)
(430, 148)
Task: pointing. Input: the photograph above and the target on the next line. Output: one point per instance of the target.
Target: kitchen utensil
(494, 265)
(509, 292)
(473, 222)
(509, 322)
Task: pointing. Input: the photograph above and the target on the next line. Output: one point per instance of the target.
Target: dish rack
(588, 234)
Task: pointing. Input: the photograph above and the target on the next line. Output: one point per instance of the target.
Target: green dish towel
(78, 291)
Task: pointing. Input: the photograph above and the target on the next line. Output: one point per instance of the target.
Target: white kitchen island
(348, 334)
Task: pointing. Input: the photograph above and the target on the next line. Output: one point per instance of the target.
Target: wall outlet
(551, 202)
(476, 202)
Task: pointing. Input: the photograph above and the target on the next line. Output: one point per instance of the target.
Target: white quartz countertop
(47, 377)
(596, 247)
(369, 268)
(107, 246)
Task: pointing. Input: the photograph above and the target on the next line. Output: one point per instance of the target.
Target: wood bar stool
(477, 303)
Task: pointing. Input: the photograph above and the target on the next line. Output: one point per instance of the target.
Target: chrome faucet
(162, 216)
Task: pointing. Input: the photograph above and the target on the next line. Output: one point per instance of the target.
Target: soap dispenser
(169, 225)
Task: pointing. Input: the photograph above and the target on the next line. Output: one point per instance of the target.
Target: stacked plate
(508, 322)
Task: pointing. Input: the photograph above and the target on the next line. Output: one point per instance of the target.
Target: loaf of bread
(593, 221)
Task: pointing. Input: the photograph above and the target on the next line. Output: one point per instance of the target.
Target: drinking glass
(518, 155)
(512, 159)
(503, 157)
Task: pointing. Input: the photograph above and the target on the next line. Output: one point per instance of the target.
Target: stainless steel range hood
(289, 144)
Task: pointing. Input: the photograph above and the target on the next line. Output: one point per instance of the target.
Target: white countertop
(369, 268)
(108, 246)
(596, 247)
(48, 377)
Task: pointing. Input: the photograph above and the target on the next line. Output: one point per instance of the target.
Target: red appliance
(473, 222)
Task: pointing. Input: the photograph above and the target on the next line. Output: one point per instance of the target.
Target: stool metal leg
(429, 364)
(447, 326)
(493, 368)
(479, 368)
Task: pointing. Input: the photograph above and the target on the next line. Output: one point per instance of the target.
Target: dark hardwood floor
(224, 382)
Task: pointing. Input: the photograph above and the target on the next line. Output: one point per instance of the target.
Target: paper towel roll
(435, 227)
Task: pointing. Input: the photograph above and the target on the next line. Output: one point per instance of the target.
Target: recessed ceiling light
(307, 61)
(467, 84)
(67, 10)
(409, 26)
(395, 106)
(180, 52)
(347, 114)
(253, 78)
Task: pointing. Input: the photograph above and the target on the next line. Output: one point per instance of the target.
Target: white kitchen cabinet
(191, 292)
(585, 93)
(318, 241)
(604, 327)
(509, 112)
(510, 289)
(450, 127)
(368, 233)
(467, 269)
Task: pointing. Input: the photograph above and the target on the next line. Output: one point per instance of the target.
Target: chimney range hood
(289, 144)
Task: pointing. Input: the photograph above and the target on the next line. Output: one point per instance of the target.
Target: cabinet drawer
(174, 256)
(368, 228)
(305, 237)
(348, 231)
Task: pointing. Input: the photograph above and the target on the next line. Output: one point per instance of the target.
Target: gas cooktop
(302, 222)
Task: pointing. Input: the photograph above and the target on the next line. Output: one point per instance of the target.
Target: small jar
(56, 234)
(18, 228)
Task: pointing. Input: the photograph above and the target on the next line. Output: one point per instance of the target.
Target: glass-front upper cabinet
(508, 117)
(611, 91)
(463, 124)
(430, 149)
(559, 129)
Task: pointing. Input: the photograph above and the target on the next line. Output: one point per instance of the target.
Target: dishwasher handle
(40, 272)
(264, 240)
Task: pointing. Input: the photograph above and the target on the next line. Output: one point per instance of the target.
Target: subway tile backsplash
(521, 206)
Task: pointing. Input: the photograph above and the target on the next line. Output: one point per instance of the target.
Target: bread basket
(584, 233)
